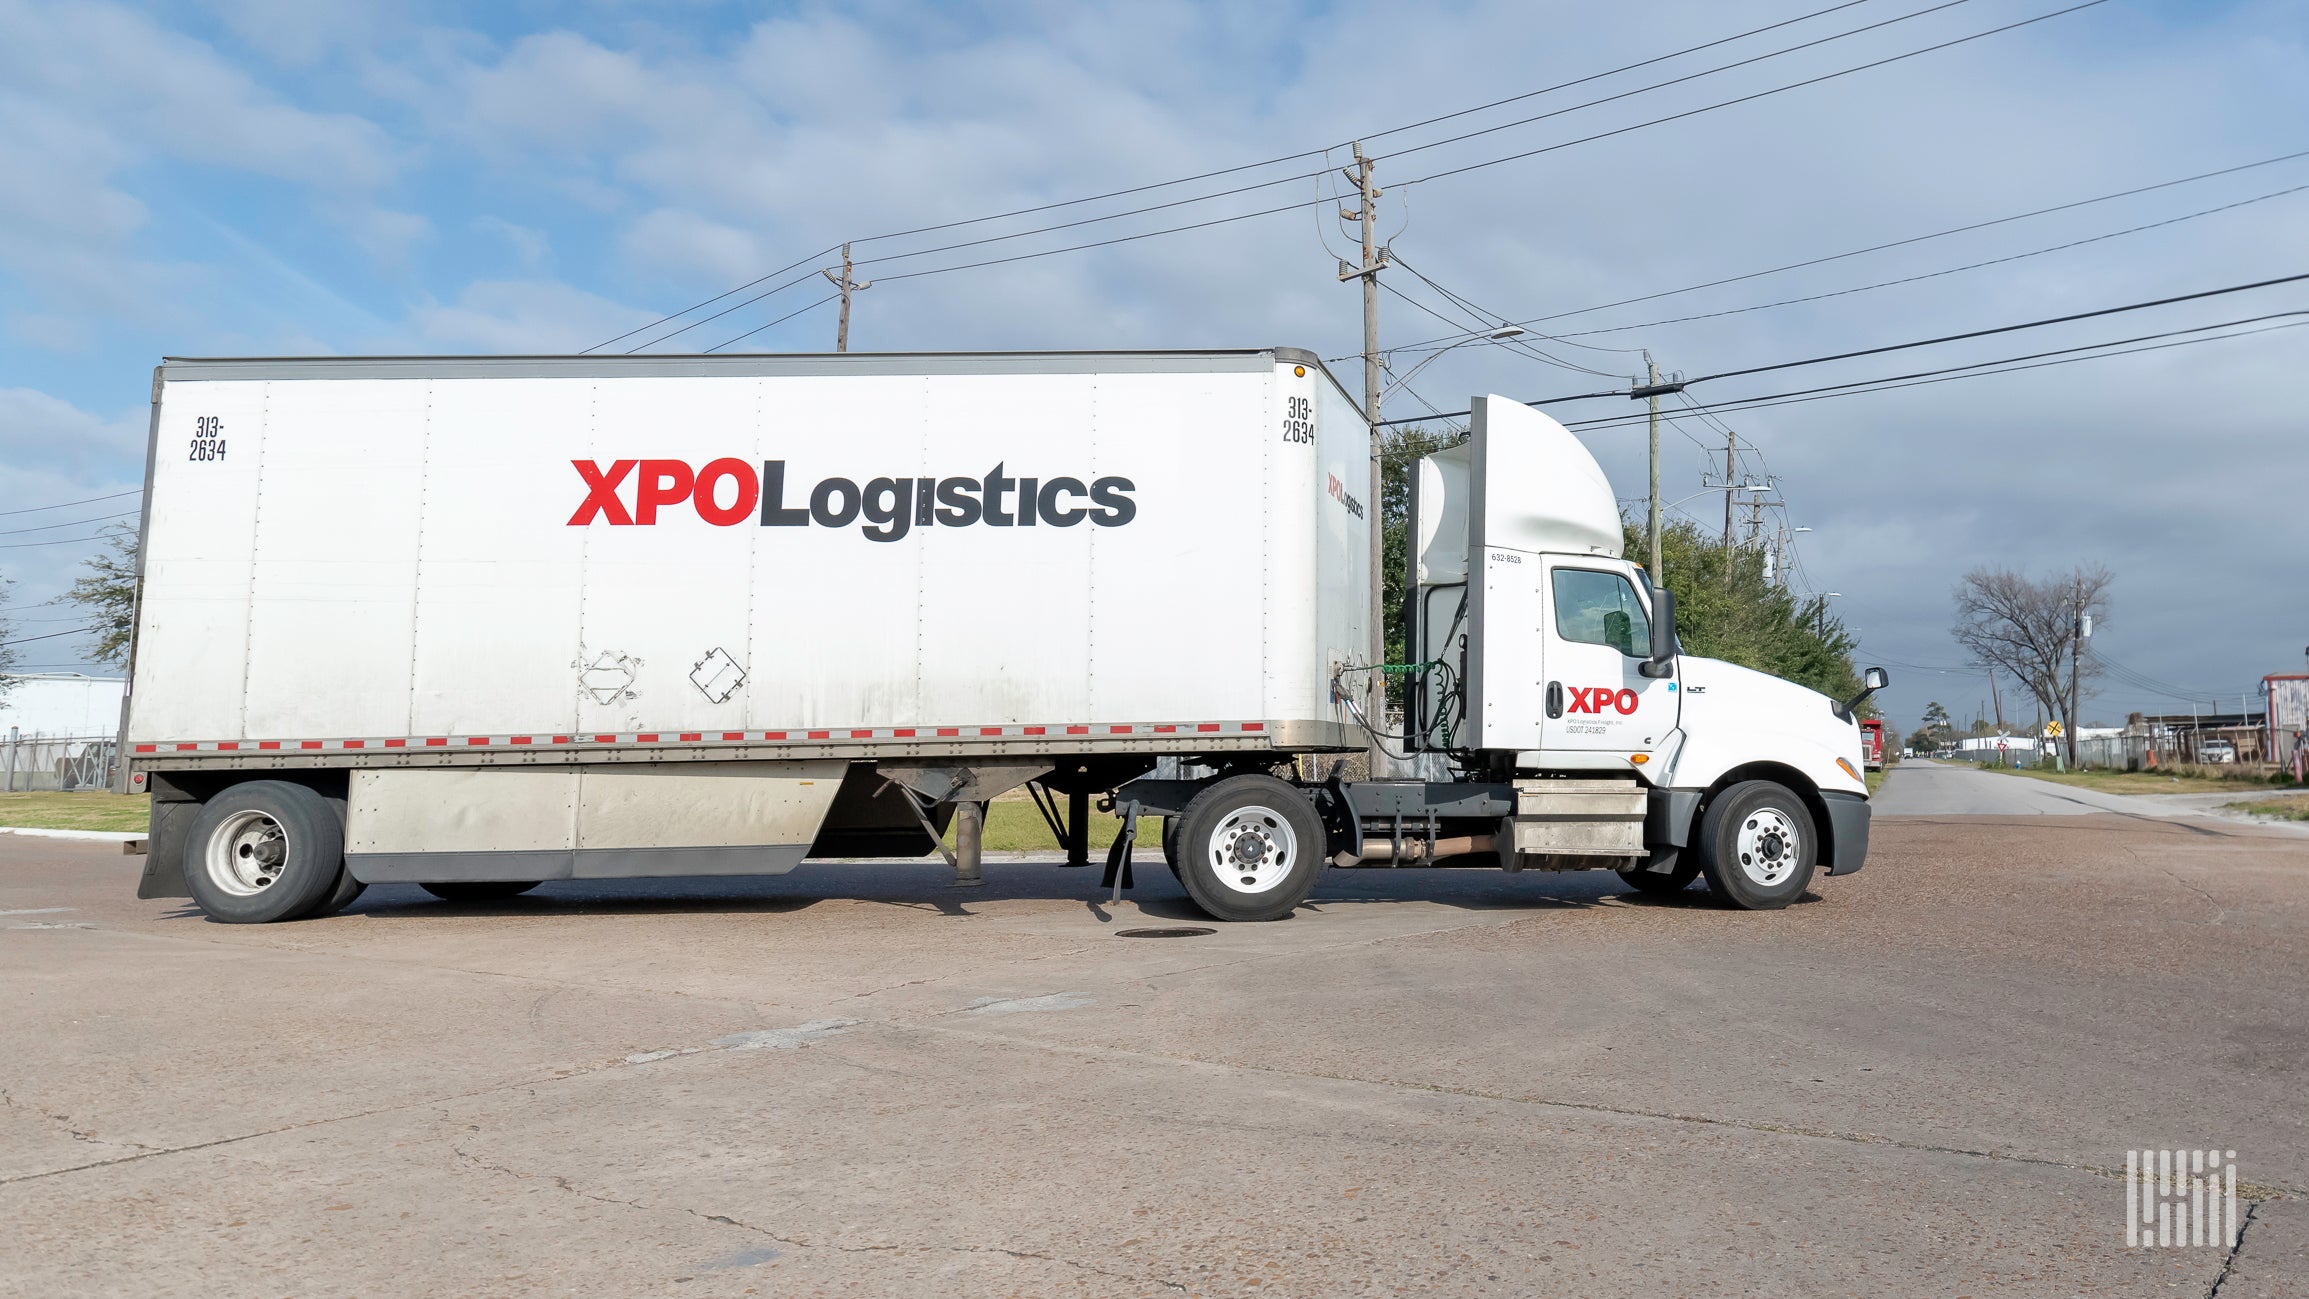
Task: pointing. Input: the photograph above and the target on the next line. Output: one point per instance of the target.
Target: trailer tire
(479, 890)
(1170, 841)
(1250, 848)
(337, 898)
(263, 851)
(1758, 846)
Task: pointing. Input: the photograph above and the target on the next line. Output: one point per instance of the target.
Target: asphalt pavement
(1920, 787)
(1920, 1080)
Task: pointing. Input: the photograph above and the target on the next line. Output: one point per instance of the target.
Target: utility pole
(1994, 694)
(1373, 260)
(1731, 445)
(2076, 640)
(848, 287)
(1652, 379)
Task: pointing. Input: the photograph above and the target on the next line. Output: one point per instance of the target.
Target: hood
(1734, 710)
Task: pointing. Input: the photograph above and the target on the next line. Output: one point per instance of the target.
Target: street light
(1820, 625)
(1499, 335)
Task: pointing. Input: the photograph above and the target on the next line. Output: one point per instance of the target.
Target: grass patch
(75, 811)
(1013, 825)
(2282, 809)
(2164, 780)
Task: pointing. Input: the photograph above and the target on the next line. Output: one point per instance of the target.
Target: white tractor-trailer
(477, 623)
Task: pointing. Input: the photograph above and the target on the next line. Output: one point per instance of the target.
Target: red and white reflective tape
(800, 735)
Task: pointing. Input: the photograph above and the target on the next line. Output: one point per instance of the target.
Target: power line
(76, 523)
(1945, 338)
(1931, 275)
(35, 509)
(1455, 171)
(1514, 344)
(773, 324)
(1925, 378)
(47, 637)
(60, 541)
(1738, 404)
(1763, 94)
(664, 320)
(1417, 148)
(1224, 171)
(2004, 329)
(1425, 344)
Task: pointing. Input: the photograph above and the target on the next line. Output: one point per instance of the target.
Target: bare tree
(2033, 632)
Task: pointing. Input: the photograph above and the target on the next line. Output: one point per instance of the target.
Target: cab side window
(1597, 608)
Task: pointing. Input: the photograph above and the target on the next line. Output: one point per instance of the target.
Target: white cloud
(532, 247)
(524, 316)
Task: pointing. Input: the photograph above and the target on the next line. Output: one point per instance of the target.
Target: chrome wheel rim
(1252, 849)
(1769, 846)
(247, 854)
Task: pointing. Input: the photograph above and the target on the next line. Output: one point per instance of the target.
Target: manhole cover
(1175, 931)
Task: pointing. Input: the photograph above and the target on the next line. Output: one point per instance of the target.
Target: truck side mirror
(1662, 662)
(1871, 681)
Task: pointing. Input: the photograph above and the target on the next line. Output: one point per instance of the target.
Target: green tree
(108, 593)
(1936, 722)
(1399, 452)
(1727, 609)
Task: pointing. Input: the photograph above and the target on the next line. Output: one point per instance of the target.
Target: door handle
(1555, 699)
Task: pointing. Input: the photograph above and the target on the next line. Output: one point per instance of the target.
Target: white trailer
(481, 623)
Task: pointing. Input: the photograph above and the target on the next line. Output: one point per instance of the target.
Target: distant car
(2216, 751)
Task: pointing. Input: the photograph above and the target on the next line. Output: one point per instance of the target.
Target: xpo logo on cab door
(1598, 698)
(726, 492)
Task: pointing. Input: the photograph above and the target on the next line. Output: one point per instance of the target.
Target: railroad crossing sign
(2052, 729)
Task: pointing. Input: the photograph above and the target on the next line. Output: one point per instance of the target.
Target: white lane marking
(39, 911)
(69, 924)
(1018, 1005)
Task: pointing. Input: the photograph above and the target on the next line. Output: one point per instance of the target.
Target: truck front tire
(1758, 846)
(1249, 848)
(263, 851)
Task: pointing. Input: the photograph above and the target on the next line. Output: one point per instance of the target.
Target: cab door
(1598, 634)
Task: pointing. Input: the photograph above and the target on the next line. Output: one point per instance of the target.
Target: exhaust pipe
(1417, 851)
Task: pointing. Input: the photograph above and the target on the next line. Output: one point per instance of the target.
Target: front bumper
(1847, 832)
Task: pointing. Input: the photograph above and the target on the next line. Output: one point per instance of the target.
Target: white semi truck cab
(1549, 677)
(476, 623)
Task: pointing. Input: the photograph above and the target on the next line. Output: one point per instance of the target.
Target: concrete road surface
(1921, 1080)
(1920, 787)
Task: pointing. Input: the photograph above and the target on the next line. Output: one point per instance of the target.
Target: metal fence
(39, 761)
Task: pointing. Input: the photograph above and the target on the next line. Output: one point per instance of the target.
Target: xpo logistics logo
(1598, 698)
(727, 492)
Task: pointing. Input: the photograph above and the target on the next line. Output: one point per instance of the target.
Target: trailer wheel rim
(247, 853)
(1252, 849)
(1768, 845)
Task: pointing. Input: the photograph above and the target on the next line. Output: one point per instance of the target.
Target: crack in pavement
(65, 1121)
(565, 1184)
(2236, 1247)
(2255, 1191)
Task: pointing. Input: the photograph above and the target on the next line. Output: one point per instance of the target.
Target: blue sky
(274, 177)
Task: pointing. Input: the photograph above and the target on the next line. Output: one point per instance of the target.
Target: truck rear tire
(1758, 846)
(479, 890)
(263, 851)
(1249, 848)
